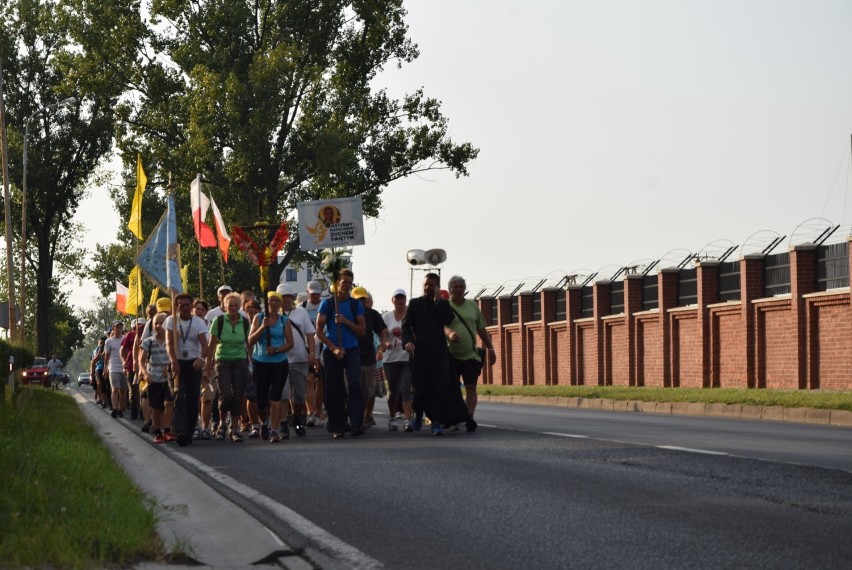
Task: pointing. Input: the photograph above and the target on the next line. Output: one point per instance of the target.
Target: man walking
(436, 393)
(115, 369)
(465, 357)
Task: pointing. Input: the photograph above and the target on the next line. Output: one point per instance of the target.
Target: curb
(737, 411)
(186, 504)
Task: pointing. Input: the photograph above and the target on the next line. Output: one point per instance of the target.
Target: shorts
(298, 382)
(158, 395)
(118, 380)
(398, 375)
(468, 370)
(368, 381)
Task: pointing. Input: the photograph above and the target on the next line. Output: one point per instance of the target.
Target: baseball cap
(399, 292)
(138, 322)
(360, 293)
(118, 324)
(164, 305)
(273, 295)
(285, 289)
(224, 288)
(314, 287)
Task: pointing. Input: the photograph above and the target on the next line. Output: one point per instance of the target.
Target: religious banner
(330, 223)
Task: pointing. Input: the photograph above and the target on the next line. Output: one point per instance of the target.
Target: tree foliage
(273, 103)
(46, 59)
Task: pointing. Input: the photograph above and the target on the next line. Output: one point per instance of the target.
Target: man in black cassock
(436, 392)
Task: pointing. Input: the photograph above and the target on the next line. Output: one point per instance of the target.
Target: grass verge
(786, 398)
(64, 502)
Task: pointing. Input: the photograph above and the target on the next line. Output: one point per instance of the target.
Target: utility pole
(8, 206)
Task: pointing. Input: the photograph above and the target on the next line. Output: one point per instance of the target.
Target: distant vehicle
(36, 375)
(84, 379)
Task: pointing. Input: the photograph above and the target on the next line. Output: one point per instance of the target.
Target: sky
(610, 132)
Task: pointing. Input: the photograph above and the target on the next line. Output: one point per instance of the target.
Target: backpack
(220, 322)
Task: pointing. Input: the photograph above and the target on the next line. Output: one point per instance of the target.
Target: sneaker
(220, 434)
(196, 434)
(159, 438)
(114, 414)
(470, 425)
(417, 423)
(205, 434)
(311, 421)
(168, 437)
(146, 427)
(285, 430)
(300, 430)
(392, 425)
(254, 434)
(264, 432)
(399, 415)
(406, 426)
(120, 414)
(236, 437)
(337, 435)
(437, 429)
(274, 437)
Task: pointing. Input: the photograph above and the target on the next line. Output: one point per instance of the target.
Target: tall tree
(273, 103)
(47, 55)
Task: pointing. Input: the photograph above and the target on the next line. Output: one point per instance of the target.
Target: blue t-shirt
(351, 309)
(276, 334)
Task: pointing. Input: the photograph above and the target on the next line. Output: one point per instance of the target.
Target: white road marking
(691, 450)
(571, 435)
(325, 541)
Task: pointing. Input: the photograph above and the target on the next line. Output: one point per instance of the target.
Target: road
(541, 487)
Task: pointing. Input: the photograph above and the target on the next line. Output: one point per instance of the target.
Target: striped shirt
(158, 359)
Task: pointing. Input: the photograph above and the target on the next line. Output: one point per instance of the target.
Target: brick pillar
(707, 274)
(602, 303)
(548, 315)
(802, 281)
(632, 304)
(751, 288)
(667, 299)
(504, 317)
(573, 311)
(525, 301)
(485, 305)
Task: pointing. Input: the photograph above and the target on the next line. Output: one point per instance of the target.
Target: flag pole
(200, 282)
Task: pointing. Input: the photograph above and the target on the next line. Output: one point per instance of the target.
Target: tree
(272, 102)
(49, 55)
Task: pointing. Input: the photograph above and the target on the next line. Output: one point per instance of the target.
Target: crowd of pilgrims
(191, 372)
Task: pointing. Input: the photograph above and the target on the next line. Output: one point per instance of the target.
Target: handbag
(479, 350)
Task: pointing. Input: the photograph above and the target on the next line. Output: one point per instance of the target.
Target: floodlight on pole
(67, 101)
(418, 257)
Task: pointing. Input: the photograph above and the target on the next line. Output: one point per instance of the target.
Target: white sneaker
(392, 426)
(311, 421)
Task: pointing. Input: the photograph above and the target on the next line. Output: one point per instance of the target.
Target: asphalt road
(552, 488)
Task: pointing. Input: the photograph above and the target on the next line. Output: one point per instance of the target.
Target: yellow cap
(164, 305)
(360, 293)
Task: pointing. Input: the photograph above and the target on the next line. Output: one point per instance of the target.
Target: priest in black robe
(436, 391)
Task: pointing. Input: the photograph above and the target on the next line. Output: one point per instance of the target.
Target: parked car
(36, 374)
(84, 379)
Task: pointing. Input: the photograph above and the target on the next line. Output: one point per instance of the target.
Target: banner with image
(330, 223)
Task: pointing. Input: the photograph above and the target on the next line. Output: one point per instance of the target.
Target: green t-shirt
(465, 349)
(232, 342)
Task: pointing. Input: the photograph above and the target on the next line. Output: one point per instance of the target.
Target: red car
(37, 373)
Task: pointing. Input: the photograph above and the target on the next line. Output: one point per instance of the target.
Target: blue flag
(158, 258)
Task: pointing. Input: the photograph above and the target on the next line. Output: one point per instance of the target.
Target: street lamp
(67, 101)
(431, 257)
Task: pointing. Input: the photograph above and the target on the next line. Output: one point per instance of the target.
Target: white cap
(285, 289)
(399, 292)
(224, 288)
(314, 287)
(139, 321)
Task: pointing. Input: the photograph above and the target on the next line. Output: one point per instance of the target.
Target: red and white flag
(120, 298)
(221, 231)
(200, 205)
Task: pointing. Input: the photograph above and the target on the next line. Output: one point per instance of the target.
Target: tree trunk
(44, 276)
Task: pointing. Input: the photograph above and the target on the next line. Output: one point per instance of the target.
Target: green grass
(786, 398)
(64, 502)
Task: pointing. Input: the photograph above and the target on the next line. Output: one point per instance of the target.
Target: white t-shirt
(188, 345)
(396, 353)
(112, 350)
(302, 326)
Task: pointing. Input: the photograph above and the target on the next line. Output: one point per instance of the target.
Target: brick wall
(795, 341)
